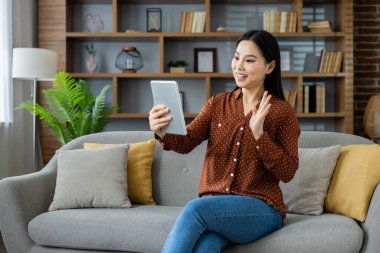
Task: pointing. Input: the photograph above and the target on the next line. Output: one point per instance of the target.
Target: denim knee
(210, 242)
(194, 206)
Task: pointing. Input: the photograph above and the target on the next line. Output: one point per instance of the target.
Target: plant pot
(177, 70)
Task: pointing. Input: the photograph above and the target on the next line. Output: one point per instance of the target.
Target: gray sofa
(26, 225)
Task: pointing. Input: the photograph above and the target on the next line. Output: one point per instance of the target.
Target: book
(305, 98)
(285, 60)
(286, 95)
(320, 99)
(283, 21)
(319, 24)
(320, 30)
(183, 21)
(323, 55)
(330, 62)
(292, 98)
(322, 26)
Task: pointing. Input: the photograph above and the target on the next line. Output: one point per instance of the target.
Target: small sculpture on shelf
(92, 61)
(221, 29)
(177, 66)
(129, 60)
(93, 23)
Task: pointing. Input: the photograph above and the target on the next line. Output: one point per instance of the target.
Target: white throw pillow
(91, 178)
(306, 192)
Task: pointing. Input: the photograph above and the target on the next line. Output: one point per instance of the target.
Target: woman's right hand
(156, 121)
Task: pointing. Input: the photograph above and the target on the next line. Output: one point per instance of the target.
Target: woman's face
(248, 65)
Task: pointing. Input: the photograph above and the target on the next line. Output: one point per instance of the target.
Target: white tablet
(167, 93)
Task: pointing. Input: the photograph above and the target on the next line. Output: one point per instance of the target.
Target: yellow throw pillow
(356, 176)
(139, 170)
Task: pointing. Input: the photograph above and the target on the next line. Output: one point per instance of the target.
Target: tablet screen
(167, 93)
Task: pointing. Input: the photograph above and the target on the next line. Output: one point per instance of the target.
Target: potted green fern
(72, 110)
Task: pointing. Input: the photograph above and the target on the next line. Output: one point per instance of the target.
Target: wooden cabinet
(61, 28)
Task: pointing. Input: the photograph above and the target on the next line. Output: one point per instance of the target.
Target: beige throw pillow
(91, 178)
(306, 192)
(139, 170)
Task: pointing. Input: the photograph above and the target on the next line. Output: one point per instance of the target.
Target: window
(5, 61)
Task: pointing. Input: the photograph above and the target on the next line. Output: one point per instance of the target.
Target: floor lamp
(36, 64)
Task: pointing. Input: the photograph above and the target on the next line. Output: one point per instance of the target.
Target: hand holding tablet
(166, 93)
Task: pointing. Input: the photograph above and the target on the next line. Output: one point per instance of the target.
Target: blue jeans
(209, 224)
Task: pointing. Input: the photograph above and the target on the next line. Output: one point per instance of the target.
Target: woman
(252, 137)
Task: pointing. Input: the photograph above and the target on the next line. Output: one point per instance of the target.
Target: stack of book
(319, 26)
(193, 21)
(314, 98)
(280, 21)
(290, 97)
(330, 61)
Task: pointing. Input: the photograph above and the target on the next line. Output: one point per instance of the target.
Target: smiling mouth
(240, 75)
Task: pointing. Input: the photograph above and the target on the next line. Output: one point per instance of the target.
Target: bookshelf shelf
(145, 115)
(191, 35)
(321, 115)
(64, 34)
(193, 115)
(200, 75)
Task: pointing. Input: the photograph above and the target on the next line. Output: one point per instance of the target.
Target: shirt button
(257, 147)
(238, 143)
(227, 189)
(232, 174)
(241, 129)
(235, 159)
(219, 125)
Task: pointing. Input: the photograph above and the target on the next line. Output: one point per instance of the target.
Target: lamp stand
(34, 122)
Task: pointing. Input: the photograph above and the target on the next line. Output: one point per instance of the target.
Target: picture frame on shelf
(205, 60)
(153, 20)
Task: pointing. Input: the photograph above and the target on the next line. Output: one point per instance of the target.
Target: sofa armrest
(371, 226)
(21, 199)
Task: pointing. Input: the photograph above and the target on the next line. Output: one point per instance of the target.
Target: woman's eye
(250, 61)
(236, 58)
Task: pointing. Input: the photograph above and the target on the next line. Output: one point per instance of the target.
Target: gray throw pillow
(306, 192)
(91, 178)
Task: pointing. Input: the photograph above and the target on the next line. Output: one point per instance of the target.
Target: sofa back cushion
(176, 177)
(306, 192)
(356, 176)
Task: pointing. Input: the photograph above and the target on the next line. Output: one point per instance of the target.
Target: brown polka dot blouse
(236, 163)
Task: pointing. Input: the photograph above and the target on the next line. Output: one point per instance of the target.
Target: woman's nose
(240, 65)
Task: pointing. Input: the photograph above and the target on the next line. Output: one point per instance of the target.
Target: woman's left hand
(256, 122)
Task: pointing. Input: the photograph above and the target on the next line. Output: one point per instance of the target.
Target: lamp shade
(30, 63)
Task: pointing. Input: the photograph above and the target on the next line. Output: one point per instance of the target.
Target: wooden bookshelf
(62, 33)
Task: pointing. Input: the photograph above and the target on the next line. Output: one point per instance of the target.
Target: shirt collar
(237, 93)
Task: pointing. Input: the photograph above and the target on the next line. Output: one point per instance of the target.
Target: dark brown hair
(271, 51)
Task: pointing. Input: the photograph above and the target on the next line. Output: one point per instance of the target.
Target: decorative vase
(92, 63)
(371, 119)
(129, 60)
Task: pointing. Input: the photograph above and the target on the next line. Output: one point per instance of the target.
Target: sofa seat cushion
(136, 229)
(145, 228)
(303, 233)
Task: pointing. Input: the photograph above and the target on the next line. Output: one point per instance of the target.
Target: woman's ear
(270, 67)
